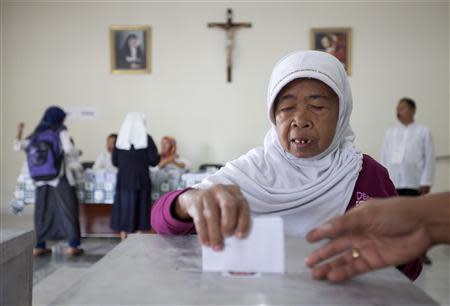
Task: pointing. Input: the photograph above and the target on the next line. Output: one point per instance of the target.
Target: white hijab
(275, 182)
(132, 132)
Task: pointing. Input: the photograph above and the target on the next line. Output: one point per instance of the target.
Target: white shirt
(408, 154)
(104, 161)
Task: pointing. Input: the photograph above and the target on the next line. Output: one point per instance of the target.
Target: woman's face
(325, 41)
(133, 42)
(306, 114)
(165, 145)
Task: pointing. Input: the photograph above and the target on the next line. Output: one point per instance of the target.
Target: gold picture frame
(130, 49)
(336, 41)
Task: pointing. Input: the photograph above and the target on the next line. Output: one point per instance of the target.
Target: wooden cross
(230, 27)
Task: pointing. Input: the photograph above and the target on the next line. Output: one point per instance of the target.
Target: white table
(162, 270)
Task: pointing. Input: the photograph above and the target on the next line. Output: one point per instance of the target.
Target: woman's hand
(377, 234)
(166, 161)
(218, 212)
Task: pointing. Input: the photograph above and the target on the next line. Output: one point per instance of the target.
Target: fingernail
(240, 235)
(217, 247)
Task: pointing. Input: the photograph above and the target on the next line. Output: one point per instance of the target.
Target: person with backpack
(56, 204)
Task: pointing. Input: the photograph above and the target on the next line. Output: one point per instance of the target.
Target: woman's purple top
(373, 182)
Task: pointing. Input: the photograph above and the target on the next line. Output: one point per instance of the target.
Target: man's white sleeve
(429, 160)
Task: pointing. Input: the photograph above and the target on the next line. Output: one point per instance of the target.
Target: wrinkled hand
(384, 232)
(218, 212)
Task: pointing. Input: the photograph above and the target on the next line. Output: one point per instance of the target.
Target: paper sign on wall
(81, 113)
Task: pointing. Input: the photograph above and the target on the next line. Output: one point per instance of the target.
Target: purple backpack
(44, 155)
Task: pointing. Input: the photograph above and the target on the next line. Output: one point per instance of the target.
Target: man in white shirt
(104, 160)
(408, 153)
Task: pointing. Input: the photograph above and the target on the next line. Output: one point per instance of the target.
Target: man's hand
(377, 234)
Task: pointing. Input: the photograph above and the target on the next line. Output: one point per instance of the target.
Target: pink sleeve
(162, 220)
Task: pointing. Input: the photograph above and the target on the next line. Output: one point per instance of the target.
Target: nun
(56, 205)
(135, 151)
(307, 171)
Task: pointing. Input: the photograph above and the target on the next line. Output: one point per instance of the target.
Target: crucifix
(230, 28)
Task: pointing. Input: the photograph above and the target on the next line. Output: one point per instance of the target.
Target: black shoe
(426, 260)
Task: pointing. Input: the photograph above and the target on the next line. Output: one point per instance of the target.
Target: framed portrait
(336, 41)
(130, 48)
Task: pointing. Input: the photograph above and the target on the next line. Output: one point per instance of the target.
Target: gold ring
(355, 253)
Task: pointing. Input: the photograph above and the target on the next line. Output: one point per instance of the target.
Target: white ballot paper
(261, 251)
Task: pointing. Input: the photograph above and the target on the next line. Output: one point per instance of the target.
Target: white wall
(58, 53)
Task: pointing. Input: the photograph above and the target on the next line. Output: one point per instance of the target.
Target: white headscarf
(132, 132)
(275, 182)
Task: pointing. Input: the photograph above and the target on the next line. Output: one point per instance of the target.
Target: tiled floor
(435, 279)
(94, 250)
(53, 273)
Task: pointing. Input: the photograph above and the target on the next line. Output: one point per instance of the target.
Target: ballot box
(148, 269)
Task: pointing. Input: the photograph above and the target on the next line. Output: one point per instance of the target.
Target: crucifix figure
(229, 27)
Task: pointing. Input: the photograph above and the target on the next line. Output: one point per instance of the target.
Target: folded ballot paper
(262, 251)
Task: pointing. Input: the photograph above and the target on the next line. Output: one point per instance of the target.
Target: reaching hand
(219, 211)
(166, 161)
(20, 128)
(377, 234)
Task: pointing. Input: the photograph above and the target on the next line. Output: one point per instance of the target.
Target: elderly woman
(307, 171)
